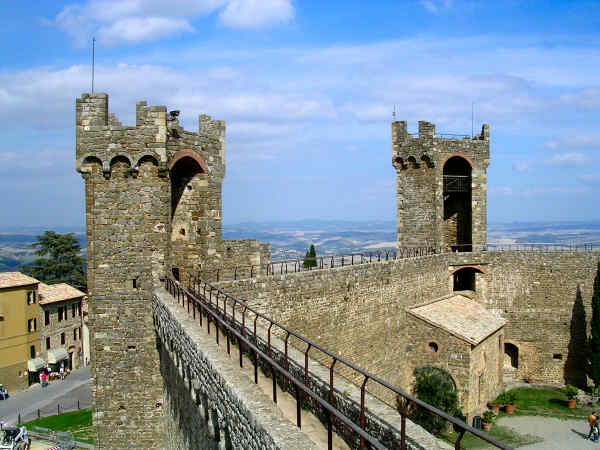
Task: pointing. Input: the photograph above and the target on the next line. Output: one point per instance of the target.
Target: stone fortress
(153, 209)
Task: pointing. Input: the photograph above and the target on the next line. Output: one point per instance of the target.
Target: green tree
(435, 387)
(59, 260)
(594, 343)
(310, 260)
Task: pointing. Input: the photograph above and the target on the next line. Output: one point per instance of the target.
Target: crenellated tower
(441, 187)
(153, 207)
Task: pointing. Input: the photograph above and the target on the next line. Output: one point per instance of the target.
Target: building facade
(61, 316)
(19, 330)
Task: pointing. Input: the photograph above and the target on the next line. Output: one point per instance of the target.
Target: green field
(78, 423)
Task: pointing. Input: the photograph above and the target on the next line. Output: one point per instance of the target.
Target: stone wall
(355, 311)
(546, 297)
(209, 402)
(419, 163)
(485, 372)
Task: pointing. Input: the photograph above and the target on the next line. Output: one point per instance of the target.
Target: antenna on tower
(93, 61)
(394, 113)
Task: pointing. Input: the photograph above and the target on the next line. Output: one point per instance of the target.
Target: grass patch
(78, 423)
(506, 435)
(545, 402)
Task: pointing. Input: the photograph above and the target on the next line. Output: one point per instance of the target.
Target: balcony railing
(457, 183)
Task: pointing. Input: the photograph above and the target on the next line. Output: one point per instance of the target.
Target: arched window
(464, 279)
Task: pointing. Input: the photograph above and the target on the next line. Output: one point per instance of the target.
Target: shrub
(488, 417)
(510, 398)
(435, 387)
(570, 391)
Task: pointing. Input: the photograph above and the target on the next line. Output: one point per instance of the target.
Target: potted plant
(571, 392)
(509, 402)
(488, 418)
(494, 406)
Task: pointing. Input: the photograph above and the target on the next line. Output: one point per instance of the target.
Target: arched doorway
(511, 356)
(457, 204)
(188, 183)
(465, 279)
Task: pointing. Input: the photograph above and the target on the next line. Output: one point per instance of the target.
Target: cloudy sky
(307, 89)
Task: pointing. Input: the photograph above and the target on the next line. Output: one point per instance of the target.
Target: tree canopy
(435, 387)
(310, 260)
(594, 343)
(59, 260)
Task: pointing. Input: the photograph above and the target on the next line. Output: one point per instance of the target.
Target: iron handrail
(408, 399)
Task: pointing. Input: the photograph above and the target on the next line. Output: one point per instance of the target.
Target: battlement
(157, 136)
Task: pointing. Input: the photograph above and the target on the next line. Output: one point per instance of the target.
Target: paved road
(558, 434)
(74, 387)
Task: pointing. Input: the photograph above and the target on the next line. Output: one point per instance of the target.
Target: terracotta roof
(461, 316)
(57, 293)
(15, 279)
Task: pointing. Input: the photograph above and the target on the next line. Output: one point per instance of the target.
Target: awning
(57, 354)
(35, 364)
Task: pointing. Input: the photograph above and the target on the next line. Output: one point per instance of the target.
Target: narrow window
(46, 318)
(62, 338)
(75, 334)
(33, 297)
(79, 309)
(32, 351)
(73, 310)
(34, 324)
(29, 298)
(48, 343)
(60, 314)
(557, 356)
(134, 283)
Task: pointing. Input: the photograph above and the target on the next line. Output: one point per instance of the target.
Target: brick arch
(187, 153)
(478, 269)
(460, 155)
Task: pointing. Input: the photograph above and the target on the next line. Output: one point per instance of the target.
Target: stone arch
(413, 162)
(459, 155)
(120, 157)
(147, 157)
(457, 197)
(427, 161)
(187, 153)
(464, 278)
(399, 162)
(88, 158)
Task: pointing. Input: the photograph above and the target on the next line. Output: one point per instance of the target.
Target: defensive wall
(359, 311)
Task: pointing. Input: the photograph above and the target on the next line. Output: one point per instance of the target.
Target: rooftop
(461, 316)
(58, 293)
(15, 279)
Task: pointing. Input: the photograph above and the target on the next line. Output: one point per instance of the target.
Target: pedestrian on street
(62, 372)
(43, 377)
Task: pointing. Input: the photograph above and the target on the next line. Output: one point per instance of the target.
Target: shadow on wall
(185, 425)
(576, 363)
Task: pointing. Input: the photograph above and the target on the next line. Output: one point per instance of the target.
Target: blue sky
(307, 89)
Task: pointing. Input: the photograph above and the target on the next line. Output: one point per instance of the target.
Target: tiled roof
(15, 279)
(461, 316)
(57, 293)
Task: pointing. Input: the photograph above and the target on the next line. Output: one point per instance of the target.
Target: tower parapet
(441, 187)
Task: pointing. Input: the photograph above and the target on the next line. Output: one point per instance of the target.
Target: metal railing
(281, 267)
(457, 183)
(201, 299)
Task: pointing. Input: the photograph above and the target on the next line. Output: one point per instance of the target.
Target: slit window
(557, 356)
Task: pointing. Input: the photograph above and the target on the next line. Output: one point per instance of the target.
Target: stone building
(61, 317)
(153, 208)
(441, 187)
(19, 331)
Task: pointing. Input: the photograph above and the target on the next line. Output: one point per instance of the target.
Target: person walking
(62, 372)
(43, 377)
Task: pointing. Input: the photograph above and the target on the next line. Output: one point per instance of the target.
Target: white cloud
(521, 166)
(135, 29)
(256, 13)
(569, 159)
(134, 21)
(574, 142)
(586, 99)
(590, 178)
(436, 6)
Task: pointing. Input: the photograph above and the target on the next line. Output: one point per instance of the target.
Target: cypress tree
(594, 344)
(310, 259)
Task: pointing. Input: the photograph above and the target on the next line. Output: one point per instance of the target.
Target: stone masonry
(153, 207)
(427, 214)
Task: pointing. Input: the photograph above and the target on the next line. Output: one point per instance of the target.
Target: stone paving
(558, 434)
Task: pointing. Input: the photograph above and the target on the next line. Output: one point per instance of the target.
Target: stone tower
(441, 188)
(153, 206)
